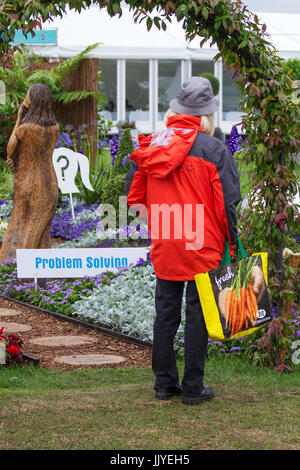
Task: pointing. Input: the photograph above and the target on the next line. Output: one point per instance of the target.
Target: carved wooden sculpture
(29, 154)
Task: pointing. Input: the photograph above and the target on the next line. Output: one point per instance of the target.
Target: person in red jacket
(187, 186)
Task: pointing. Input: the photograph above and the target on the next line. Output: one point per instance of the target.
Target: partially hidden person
(187, 186)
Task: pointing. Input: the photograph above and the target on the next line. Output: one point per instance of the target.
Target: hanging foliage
(271, 116)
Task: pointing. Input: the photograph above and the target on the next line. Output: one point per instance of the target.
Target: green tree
(112, 191)
(292, 66)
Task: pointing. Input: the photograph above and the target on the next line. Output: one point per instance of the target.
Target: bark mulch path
(45, 325)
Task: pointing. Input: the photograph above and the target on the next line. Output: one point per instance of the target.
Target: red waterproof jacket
(188, 185)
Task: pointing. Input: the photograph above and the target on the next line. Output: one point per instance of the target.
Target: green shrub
(292, 66)
(112, 191)
(124, 151)
(213, 80)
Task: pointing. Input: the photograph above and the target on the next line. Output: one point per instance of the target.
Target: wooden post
(85, 77)
(287, 305)
(76, 113)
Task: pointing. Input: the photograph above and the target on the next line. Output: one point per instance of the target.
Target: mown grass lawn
(114, 409)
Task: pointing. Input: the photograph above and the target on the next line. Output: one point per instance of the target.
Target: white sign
(74, 262)
(66, 163)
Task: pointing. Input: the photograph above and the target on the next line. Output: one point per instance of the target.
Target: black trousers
(168, 303)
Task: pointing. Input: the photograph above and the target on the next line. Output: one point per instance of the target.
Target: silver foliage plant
(127, 305)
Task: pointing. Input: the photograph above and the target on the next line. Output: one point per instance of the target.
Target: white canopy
(121, 37)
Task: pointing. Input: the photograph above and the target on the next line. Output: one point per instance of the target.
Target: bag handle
(239, 251)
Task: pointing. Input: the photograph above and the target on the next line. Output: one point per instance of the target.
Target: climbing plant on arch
(271, 117)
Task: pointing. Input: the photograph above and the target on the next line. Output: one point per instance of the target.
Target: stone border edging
(105, 331)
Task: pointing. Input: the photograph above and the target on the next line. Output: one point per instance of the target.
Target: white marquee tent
(123, 41)
(121, 37)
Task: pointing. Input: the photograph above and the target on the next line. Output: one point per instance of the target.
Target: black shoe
(169, 392)
(205, 395)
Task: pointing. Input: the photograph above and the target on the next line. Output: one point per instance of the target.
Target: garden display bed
(122, 303)
(47, 324)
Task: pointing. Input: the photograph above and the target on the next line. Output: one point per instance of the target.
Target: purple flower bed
(71, 138)
(64, 140)
(53, 294)
(62, 226)
(56, 295)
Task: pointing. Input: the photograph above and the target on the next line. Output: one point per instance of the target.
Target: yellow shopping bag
(234, 297)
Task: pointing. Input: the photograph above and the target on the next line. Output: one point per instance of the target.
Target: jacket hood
(162, 152)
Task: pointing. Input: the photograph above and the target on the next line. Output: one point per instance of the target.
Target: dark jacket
(129, 177)
(188, 183)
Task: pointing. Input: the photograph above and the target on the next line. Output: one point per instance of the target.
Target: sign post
(66, 163)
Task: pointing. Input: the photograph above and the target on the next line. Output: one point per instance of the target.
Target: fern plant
(16, 86)
(65, 68)
(15, 80)
(55, 78)
(19, 79)
(46, 77)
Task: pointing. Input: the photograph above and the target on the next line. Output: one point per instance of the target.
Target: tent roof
(121, 37)
(284, 31)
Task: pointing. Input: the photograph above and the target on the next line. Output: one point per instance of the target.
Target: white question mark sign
(63, 168)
